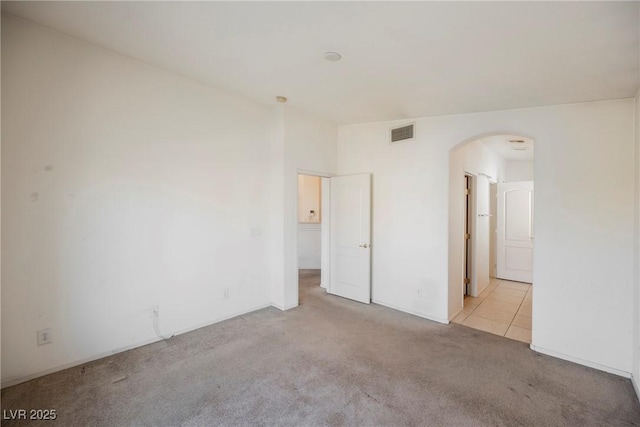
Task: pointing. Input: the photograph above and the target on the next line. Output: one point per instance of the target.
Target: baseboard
(415, 313)
(583, 362)
(634, 382)
(19, 380)
(283, 307)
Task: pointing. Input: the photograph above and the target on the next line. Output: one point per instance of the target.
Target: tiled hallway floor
(504, 309)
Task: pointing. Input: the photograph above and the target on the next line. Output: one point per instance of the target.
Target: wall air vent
(403, 133)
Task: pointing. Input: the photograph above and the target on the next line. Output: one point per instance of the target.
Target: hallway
(504, 309)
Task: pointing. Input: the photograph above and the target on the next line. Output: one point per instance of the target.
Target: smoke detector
(332, 56)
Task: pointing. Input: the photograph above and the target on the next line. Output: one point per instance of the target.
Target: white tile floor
(504, 309)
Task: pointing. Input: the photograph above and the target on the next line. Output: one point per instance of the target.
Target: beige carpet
(330, 361)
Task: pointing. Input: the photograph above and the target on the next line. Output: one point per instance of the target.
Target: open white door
(480, 240)
(515, 231)
(351, 237)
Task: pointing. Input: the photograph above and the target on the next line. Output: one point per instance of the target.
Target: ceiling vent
(402, 133)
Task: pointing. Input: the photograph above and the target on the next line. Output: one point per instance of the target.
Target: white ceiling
(400, 59)
(502, 145)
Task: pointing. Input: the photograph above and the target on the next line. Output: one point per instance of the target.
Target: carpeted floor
(330, 361)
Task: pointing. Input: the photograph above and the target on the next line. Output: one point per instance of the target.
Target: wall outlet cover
(44, 336)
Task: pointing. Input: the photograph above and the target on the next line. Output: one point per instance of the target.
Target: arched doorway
(491, 234)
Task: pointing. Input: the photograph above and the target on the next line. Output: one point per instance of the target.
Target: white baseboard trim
(18, 380)
(634, 382)
(415, 313)
(580, 361)
(283, 307)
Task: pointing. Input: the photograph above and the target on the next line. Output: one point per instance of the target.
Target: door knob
(366, 245)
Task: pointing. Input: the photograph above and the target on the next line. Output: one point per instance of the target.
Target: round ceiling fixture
(332, 56)
(281, 99)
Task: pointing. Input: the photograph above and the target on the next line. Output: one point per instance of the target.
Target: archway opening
(491, 234)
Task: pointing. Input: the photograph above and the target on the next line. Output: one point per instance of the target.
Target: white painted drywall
(474, 158)
(304, 143)
(518, 170)
(636, 271)
(481, 243)
(493, 227)
(636, 238)
(123, 186)
(583, 257)
(277, 208)
(325, 235)
(309, 245)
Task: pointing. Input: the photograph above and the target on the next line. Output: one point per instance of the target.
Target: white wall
(123, 186)
(309, 245)
(636, 237)
(518, 170)
(306, 144)
(477, 159)
(325, 235)
(583, 257)
(635, 327)
(493, 227)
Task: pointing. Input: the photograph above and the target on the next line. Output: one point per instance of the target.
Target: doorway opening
(310, 237)
(468, 256)
(333, 235)
(491, 235)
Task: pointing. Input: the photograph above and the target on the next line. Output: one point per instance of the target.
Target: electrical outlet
(44, 336)
(226, 293)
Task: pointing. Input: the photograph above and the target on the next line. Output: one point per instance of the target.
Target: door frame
(469, 249)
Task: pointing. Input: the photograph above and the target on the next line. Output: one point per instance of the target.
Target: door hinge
(466, 281)
(466, 191)
(467, 236)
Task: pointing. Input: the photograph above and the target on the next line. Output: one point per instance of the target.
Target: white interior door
(515, 231)
(480, 240)
(351, 237)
